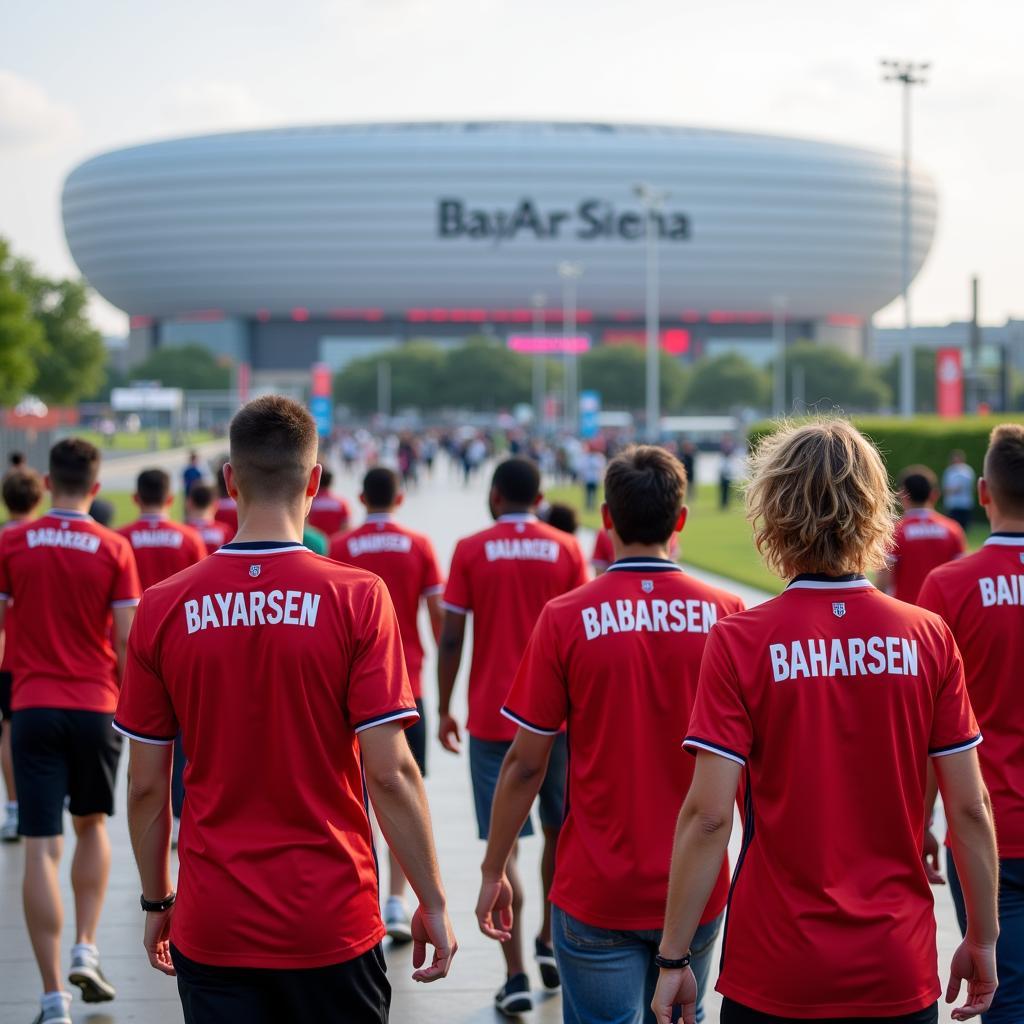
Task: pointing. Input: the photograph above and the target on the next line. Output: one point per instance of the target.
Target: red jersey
(618, 661)
(270, 660)
(214, 534)
(162, 548)
(329, 514)
(7, 661)
(406, 562)
(504, 576)
(981, 597)
(226, 512)
(65, 573)
(833, 695)
(923, 540)
(604, 552)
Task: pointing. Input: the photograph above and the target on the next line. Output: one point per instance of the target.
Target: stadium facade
(286, 247)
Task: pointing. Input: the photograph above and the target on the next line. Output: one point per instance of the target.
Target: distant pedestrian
(192, 474)
(592, 473)
(688, 457)
(958, 489)
(726, 471)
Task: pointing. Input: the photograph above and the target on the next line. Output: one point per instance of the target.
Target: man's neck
(20, 517)
(205, 516)
(153, 510)
(1005, 524)
(72, 504)
(270, 522)
(379, 511)
(926, 507)
(640, 550)
(513, 510)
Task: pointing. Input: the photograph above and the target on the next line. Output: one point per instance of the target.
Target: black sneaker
(513, 998)
(545, 957)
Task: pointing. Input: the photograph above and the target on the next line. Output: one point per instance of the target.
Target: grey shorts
(485, 759)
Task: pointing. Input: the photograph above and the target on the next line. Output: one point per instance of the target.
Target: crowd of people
(271, 636)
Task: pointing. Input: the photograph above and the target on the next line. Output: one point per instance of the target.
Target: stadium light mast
(570, 273)
(539, 300)
(908, 73)
(653, 200)
(779, 303)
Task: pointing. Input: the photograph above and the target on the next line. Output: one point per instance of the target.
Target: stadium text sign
(549, 344)
(592, 220)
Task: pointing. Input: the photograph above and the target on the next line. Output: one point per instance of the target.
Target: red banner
(949, 382)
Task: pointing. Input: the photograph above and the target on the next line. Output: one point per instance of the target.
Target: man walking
(284, 672)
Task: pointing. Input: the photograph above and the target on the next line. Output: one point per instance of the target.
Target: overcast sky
(77, 78)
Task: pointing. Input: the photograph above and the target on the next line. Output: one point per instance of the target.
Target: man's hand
(675, 988)
(932, 865)
(448, 733)
(156, 940)
(432, 928)
(494, 908)
(977, 966)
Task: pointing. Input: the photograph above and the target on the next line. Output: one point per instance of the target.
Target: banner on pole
(949, 382)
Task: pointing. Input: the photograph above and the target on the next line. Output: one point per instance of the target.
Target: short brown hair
(153, 487)
(645, 490)
(74, 466)
(1004, 468)
(200, 495)
(22, 490)
(819, 501)
(273, 447)
(919, 482)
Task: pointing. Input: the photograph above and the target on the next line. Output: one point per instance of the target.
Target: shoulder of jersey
(966, 567)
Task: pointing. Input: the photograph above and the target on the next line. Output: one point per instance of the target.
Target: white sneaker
(9, 829)
(56, 1009)
(396, 920)
(86, 974)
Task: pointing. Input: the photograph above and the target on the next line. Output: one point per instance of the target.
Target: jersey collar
(822, 581)
(67, 513)
(1005, 539)
(644, 564)
(379, 517)
(917, 513)
(153, 517)
(259, 547)
(517, 517)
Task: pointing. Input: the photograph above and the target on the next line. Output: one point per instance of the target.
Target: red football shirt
(604, 552)
(7, 662)
(618, 661)
(65, 573)
(270, 660)
(329, 514)
(214, 534)
(406, 562)
(226, 512)
(162, 547)
(981, 597)
(504, 576)
(923, 540)
(833, 695)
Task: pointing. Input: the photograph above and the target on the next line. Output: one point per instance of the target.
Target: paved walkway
(447, 511)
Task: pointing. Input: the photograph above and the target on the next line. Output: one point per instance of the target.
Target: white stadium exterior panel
(354, 216)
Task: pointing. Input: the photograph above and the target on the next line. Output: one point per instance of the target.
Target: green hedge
(924, 440)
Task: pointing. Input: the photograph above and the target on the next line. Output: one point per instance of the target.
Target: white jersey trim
(517, 517)
(711, 749)
(454, 608)
(141, 739)
(431, 591)
(128, 602)
(67, 513)
(404, 713)
(260, 551)
(379, 517)
(1006, 542)
(831, 585)
(626, 566)
(528, 726)
(970, 744)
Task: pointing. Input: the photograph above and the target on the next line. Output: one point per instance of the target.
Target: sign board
(322, 409)
(549, 344)
(146, 399)
(949, 382)
(590, 414)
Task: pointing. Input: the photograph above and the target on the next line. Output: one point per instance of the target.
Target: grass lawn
(144, 441)
(720, 542)
(126, 511)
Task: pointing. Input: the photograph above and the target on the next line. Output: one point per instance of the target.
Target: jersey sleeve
(378, 685)
(954, 727)
(144, 709)
(538, 700)
(720, 722)
(433, 580)
(932, 598)
(458, 592)
(197, 547)
(5, 572)
(126, 589)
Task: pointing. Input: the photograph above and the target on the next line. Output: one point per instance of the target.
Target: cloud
(206, 105)
(29, 118)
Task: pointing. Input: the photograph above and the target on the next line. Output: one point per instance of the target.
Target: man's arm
(449, 657)
(972, 832)
(932, 865)
(124, 615)
(149, 825)
(522, 775)
(702, 837)
(436, 612)
(400, 803)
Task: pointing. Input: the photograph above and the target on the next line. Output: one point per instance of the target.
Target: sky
(80, 78)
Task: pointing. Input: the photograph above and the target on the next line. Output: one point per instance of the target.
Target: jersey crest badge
(254, 570)
(838, 609)
(647, 586)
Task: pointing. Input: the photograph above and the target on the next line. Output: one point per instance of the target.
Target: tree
(725, 383)
(484, 374)
(21, 337)
(832, 377)
(70, 363)
(190, 367)
(619, 373)
(417, 375)
(924, 378)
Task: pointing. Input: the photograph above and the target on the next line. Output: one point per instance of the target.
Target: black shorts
(734, 1013)
(356, 992)
(416, 734)
(61, 754)
(6, 685)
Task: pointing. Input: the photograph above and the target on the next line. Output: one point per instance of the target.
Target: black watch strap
(158, 906)
(672, 965)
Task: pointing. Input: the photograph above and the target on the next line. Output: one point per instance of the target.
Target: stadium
(286, 247)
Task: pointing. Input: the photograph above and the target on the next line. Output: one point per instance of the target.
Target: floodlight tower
(653, 201)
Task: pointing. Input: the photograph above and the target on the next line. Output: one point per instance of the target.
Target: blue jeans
(608, 977)
(1008, 1005)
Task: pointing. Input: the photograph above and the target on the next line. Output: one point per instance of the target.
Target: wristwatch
(158, 906)
(672, 965)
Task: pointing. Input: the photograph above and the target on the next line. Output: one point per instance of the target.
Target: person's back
(329, 513)
(199, 515)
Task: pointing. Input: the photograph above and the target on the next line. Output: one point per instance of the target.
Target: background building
(287, 247)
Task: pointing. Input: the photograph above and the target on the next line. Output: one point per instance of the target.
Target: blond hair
(820, 501)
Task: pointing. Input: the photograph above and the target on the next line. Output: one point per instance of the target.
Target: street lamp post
(653, 200)
(570, 273)
(539, 300)
(908, 73)
(779, 304)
